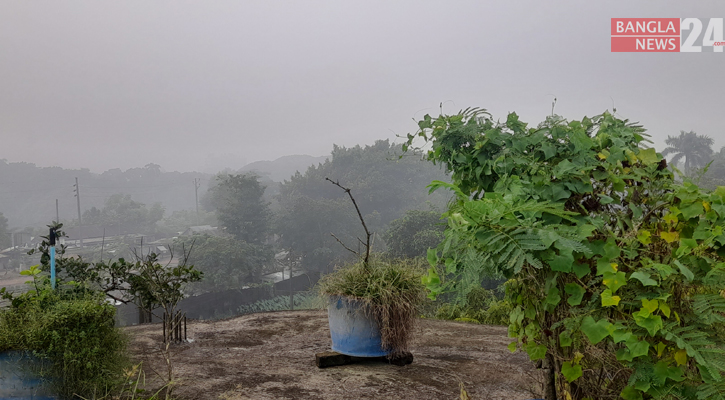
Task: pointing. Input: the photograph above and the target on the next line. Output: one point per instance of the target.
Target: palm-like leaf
(696, 150)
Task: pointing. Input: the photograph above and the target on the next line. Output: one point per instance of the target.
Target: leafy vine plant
(615, 270)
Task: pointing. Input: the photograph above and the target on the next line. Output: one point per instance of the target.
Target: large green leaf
(581, 270)
(571, 372)
(638, 348)
(565, 339)
(685, 271)
(648, 156)
(608, 299)
(644, 278)
(692, 210)
(614, 280)
(576, 293)
(644, 236)
(562, 263)
(662, 372)
(553, 297)
(652, 323)
(596, 331)
(630, 393)
(536, 351)
(432, 282)
(432, 257)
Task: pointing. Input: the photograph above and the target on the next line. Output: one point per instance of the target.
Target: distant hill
(284, 167)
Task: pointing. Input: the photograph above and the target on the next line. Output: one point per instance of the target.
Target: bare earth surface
(272, 356)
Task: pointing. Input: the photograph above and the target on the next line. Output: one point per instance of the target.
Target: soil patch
(272, 356)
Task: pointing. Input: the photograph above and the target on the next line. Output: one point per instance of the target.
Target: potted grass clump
(373, 303)
(373, 306)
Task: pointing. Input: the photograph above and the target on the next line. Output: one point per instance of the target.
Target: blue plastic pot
(352, 332)
(19, 377)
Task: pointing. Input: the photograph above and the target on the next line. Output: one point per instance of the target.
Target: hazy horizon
(199, 86)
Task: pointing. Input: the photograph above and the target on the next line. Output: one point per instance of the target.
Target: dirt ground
(272, 356)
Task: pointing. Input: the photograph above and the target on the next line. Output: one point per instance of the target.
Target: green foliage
(144, 282)
(121, 211)
(695, 149)
(385, 185)
(179, 221)
(227, 262)
(301, 301)
(389, 290)
(482, 307)
(74, 331)
(154, 285)
(616, 270)
(412, 235)
(240, 208)
(5, 241)
(714, 174)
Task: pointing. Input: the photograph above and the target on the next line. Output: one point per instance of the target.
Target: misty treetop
(384, 184)
(127, 215)
(694, 150)
(5, 240)
(240, 206)
(28, 192)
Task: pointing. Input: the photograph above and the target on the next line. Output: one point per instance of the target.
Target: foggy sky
(189, 85)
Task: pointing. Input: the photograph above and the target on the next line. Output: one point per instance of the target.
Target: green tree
(696, 150)
(227, 262)
(386, 183)
(305, 225)
(181, 220)
(715, 174)
(5, 241)
(616, 272)
(127, 215)
(240, 206)
(412, 235)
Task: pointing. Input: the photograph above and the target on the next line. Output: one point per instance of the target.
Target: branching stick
(368, 234)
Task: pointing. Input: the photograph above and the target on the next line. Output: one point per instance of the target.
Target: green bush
(481, 307)
(617, 270)
(277, 303)
(75, 333)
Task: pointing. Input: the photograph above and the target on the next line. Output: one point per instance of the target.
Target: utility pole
(78, 200)
(197, 182)
(57, 218)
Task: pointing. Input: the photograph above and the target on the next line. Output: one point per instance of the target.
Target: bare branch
(343, 245)
(362, 221)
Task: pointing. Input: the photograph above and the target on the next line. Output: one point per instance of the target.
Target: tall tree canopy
(696, 150)
(4, 234)
(384, 184)
(413, 234)
(240, 207)
(128, 215)
(715, 174)
(227, 263)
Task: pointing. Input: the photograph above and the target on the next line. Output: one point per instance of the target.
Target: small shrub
(481, 307)
(75, 333)
(277, 303)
